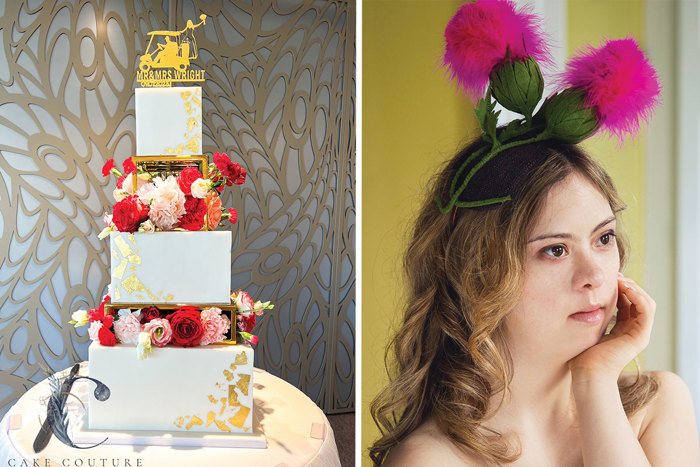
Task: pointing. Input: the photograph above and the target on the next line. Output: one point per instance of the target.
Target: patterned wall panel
(279, 98)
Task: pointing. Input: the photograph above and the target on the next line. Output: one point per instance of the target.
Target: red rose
(246, 323)
(147, 314)
(187, 326)
(129, 166)
(233, 215)
(253, 340)
(120, 181)
(129, 213)
(234, 173)
(186, 177)
(106, 337)
(107, 168)
(193, 218)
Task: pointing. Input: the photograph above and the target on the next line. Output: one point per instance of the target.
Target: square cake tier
(203, 389)
(171, 267)
(168, 121)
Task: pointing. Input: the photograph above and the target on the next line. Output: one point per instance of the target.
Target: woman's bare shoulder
(669, 431)
(427, 445)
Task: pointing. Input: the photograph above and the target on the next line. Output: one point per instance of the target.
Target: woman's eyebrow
(566, 235)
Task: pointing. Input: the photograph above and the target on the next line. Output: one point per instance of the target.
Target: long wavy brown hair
(464, 272)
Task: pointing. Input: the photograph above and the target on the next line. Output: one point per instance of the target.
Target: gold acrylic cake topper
(167, 57)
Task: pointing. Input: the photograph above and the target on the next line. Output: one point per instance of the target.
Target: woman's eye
(556, 251)
(606, 238)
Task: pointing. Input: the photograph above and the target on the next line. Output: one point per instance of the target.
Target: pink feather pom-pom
(478, 36)
(619, 82)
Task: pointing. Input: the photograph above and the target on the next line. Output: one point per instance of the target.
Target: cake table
(297, 433)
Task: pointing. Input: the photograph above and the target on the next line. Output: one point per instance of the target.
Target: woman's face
(571, 266)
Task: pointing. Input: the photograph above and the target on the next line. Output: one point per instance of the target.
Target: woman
(502, 356)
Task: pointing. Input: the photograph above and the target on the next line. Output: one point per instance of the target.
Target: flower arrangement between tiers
(187, 326)
(162, 201)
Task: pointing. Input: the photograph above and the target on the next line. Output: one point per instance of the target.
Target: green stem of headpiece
(496, 149)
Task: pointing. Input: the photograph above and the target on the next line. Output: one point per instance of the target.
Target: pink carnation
(479, 35)
(215, 326)
(160, 331)
(243, 301)
(168, 203)
(107, 219)
(94, 330)
(127, 328)
(619, 82)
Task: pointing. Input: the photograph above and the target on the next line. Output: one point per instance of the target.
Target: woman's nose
(589, 271)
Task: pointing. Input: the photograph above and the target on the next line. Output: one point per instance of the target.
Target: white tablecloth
(297, 432)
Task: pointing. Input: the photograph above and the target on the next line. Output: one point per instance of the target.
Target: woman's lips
(589, 317)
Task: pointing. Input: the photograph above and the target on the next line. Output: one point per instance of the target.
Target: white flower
(80, 317)
(144, 343)
(200, 188)
(147, 226)
(94, 330)
(105, 233)
(119, 194)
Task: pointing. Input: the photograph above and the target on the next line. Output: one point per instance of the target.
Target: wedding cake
(170, 340)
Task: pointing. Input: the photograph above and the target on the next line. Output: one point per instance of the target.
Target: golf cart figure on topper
(167, 57)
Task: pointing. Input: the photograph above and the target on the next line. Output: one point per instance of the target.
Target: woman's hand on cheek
(626, 340)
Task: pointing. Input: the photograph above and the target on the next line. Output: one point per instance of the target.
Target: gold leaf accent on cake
(193, 145)
(169, 297)
(132, 284)
(195, 421)
(243, 383)
(114, 254)
(132, 239)
(188, 107)
(185, 95)
(177, 150)
(116, 293)
(223, 405)
(134, 259)
(179, 421)
(232, 396)
(124, 247)
(191, 123)
(150, 295)
(119, 271)
(212, 399)
(197, 102)
(239, 419)
(228, 375)
(197, 91)
(140, 297)
(221, 425)
(241, 359)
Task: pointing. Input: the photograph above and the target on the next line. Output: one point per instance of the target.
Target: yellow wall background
(413, 119)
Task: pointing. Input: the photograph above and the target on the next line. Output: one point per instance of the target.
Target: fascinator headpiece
(494, 52)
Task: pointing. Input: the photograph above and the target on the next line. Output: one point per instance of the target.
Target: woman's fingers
(641, 307)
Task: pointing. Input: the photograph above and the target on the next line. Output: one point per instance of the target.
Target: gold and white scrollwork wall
(279, 99)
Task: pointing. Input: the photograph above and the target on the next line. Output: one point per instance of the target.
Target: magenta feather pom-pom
(619, 82)
(478, 36)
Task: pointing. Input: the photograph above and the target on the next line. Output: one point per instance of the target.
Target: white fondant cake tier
(171, 267)
(168, 121)
(194, 389)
